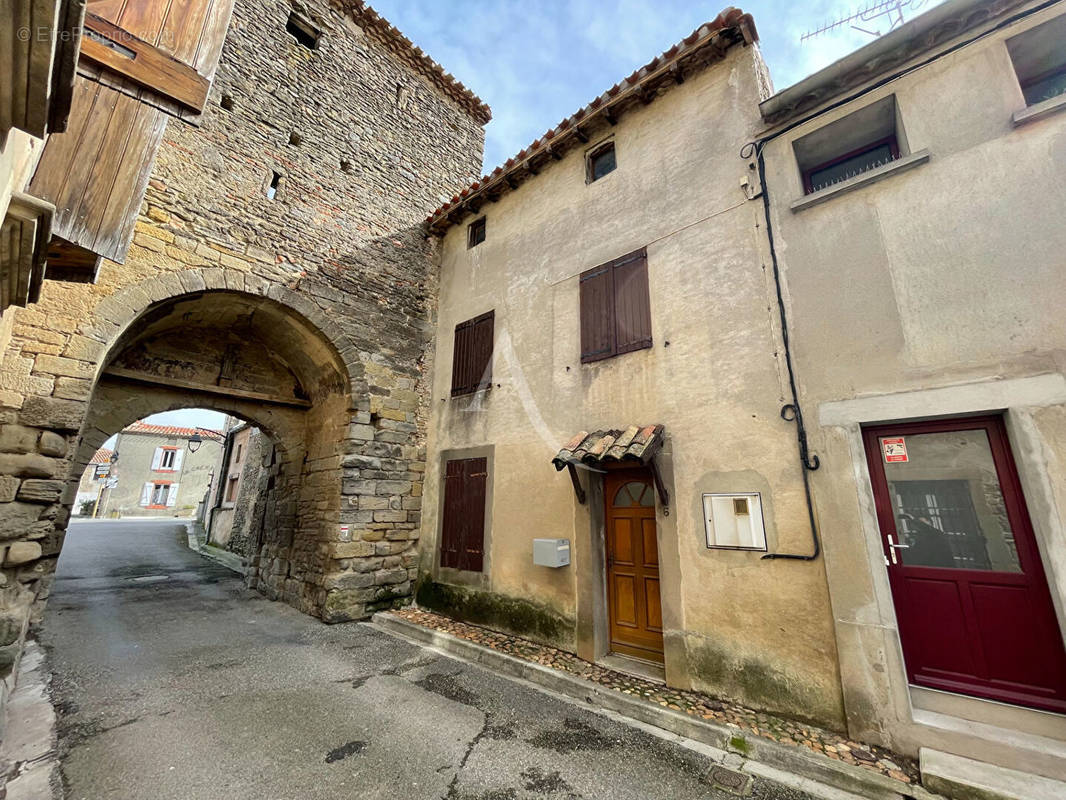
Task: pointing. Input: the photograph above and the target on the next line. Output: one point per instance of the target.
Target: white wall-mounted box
(551, 552)
(734, 521)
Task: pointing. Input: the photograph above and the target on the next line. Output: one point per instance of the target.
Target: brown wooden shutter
(463, 526)
(451, 527)
(632, 304)
(473, 543)
(482, 363)
(597, 314)
(472, 354)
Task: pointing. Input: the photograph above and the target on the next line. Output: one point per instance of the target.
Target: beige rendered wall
(935, 291)
(759, 631)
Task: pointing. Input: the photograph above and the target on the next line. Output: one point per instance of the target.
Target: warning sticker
(895, 450)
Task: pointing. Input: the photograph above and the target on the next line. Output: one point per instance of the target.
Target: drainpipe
(792, 412)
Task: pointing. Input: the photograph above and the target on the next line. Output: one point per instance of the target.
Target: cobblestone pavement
(173, 682)
(701, 705)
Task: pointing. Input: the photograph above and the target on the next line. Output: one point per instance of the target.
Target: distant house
(154, 472)
(93, 483)
(237, 511)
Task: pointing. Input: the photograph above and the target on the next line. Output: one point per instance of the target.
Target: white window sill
(1039, 111)
(901, 164)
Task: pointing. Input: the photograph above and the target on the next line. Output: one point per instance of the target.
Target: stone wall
(248, 510)
(328, 279)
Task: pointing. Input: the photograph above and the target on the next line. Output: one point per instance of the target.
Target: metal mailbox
(551, 552)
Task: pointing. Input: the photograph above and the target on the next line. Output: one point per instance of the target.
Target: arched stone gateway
(280, 270)
(342, 505)
(342, 516)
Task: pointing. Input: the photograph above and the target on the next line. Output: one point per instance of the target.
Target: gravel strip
(757, 723)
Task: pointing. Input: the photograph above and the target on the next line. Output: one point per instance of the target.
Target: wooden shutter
(597, 314)
(615, 308)
(472, 354)
(463, 525)
(146, 494)
(632, 304)
(157, 459)
(141, 63)
(451, 527)
(172, 494)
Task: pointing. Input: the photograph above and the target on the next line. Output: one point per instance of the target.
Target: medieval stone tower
(279, 271)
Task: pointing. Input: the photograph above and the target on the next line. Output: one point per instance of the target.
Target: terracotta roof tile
(101, 456)
(635, 443)
(732, 23)
(172, 430)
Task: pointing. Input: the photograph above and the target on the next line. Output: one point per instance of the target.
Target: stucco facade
(934, 291)
(735, 624)
(903, 299)
(185, 474)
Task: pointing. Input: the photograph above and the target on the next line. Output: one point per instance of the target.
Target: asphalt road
(173, 681)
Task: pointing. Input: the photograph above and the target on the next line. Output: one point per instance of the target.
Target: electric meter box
(551, 552)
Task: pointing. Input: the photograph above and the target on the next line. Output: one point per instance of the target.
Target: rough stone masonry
(280, 271)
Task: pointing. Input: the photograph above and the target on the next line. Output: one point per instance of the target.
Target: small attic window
(601, 161)
(475, 234)
(1039, 60)
(302, 31)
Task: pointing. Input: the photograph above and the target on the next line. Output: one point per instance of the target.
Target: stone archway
(345, 503)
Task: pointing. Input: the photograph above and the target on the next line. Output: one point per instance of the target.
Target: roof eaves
(643, 85)
(923, 34)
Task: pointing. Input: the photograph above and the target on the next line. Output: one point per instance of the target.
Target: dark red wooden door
(463, 523)
(972, 601)
(636, 615)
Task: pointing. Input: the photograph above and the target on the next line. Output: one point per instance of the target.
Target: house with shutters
(735, 387)
(158, 471)
(609, 377)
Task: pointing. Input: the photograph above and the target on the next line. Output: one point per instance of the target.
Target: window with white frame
(159, 494)
(167, 459)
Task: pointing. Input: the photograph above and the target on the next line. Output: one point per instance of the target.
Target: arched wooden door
(636, 617)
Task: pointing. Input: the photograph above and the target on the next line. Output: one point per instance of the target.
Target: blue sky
(536, 63)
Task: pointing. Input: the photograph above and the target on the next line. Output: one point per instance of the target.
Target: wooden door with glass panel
(636, 617)
(972, 602)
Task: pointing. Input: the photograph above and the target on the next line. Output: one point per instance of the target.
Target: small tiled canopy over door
(141, 63)
(463, 527)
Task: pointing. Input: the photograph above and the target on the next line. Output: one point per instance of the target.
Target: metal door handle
(899, 546)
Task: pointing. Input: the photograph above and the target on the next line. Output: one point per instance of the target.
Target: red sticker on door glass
(895, 450)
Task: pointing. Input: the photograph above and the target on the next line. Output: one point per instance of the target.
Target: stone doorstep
(956, 776)
(761, 753)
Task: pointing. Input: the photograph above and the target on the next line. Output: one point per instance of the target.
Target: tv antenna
(865, 18)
